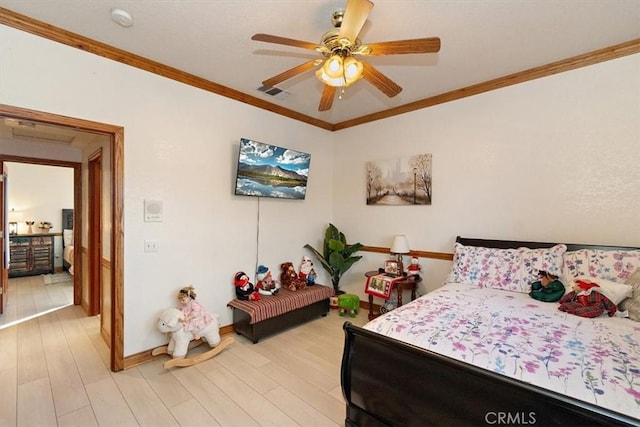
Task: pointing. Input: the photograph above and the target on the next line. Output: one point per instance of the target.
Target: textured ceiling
(482, 40)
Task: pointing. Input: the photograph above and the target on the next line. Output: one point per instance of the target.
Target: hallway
(29, 297)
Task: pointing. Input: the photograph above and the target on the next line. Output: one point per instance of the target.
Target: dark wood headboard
(67, 219)
(513, 244)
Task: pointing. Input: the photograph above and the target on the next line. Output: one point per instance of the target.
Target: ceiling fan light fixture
(340, 46)
(352, 69)
(333, 66)
(340, 72)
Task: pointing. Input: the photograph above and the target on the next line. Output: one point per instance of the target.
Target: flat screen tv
(266, 170)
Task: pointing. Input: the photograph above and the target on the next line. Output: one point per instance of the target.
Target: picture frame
(399, 181)
(393, 267)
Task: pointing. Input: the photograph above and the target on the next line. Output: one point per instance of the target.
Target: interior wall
(39, 193)
(554, 159)
(180, 147)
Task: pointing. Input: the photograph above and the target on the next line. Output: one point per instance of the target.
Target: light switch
(151, 246)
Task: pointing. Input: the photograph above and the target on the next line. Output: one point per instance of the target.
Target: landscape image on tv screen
(267, 170)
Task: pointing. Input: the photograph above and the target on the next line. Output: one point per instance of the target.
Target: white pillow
(67, 237)
(615, 291)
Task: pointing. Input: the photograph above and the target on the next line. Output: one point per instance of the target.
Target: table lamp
(399, 247)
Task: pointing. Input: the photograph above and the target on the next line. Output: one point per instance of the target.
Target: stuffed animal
(196, 318)
(586, 300)
(244, 288)
(348, 303)
(311, 277)
(265, 283)
(289, 278)
(307, 273)
(172, 321)
(414, 267)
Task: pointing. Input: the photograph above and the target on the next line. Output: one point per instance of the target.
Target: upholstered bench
(271, 314)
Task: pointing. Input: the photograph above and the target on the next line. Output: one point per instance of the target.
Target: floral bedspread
(595, 360)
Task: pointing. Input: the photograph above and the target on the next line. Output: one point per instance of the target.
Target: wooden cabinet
(30, 255)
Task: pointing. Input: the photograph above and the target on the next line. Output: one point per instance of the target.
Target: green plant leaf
(351, 249)
(336, 245)
(318, 255)
(336, 257)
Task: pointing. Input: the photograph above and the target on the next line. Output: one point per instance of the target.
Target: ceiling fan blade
(326, 101)
(355, 15)
(283, 40)
(285, 75)
(379, 80)
(399, 47)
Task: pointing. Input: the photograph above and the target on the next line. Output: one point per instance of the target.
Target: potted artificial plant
(336, 256)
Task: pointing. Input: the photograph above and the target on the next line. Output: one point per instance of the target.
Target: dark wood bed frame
(389, 383)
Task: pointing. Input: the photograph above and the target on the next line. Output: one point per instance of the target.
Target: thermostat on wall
(153, 210)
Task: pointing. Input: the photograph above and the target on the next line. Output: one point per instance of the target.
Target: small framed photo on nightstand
(393, 267)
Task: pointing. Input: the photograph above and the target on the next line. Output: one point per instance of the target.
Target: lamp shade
(338, 71)
(400, 245)
(14, 215)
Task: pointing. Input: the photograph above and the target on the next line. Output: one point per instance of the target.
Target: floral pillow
(632, 305)
(616, 266)
(506, 269)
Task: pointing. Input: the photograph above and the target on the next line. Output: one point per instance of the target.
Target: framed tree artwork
(401, 181)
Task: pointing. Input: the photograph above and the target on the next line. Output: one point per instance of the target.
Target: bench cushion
(284, 302)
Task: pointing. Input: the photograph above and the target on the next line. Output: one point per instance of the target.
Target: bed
(67, 240)
(472, 353)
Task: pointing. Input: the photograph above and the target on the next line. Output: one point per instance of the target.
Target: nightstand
(407, 283)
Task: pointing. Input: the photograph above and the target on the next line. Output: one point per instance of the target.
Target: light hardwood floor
(29, 297)
(54, 371)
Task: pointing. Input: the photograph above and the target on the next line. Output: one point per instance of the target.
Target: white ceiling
(27, 131)
(481, 40)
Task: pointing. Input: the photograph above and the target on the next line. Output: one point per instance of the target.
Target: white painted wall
(553, 159)
(181, 147)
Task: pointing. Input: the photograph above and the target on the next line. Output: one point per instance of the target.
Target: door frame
(116, 147)
(94, 234)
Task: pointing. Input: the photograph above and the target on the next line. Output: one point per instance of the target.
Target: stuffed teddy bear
(264, 281)
(307, 273)
(547, 288)
(244, 288)
(289, 278)
(173, 320)
(195, 317)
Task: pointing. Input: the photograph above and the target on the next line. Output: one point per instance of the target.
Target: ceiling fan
(342, 50)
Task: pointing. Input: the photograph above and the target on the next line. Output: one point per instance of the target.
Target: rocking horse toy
(189, 325)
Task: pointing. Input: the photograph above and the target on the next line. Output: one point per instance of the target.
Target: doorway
(37, 281)
(114, 150)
